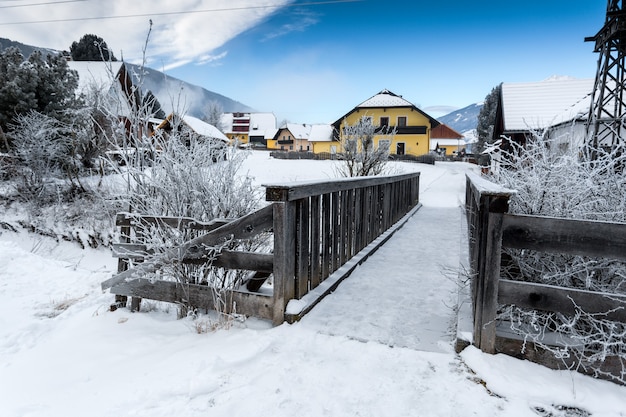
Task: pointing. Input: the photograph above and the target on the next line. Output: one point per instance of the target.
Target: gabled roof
(386, 99)
(540, 105)
(108, 79)
(198, 126)
(298, 130)
(444, 132)
(95, 73)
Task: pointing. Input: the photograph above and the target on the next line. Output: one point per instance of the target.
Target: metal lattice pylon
(606, 128)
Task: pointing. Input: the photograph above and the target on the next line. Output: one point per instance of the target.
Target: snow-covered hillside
(463, 120)
(361, 352)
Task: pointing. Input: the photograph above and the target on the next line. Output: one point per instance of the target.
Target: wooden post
(491, 276)
(284, 257)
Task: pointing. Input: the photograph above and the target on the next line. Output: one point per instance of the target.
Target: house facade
(446, 141)
(254, 129)
(390, 112)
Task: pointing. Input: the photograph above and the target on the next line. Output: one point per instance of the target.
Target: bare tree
(213, 114)
(361, 154)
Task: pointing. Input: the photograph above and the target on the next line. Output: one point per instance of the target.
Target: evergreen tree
(45, 85)
(91, 48)
(487, 118)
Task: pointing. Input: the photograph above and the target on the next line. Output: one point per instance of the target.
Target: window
(384, 121)
(401, 121)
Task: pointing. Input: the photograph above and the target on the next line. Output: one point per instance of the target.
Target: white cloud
(301, 19)
(184, 31)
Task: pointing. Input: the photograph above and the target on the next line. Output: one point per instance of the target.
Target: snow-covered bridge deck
(405, 294)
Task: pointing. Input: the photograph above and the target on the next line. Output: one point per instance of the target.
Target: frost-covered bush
(361, 157)
(557, 180)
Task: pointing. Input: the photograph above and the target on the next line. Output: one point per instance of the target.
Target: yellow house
(389, 111)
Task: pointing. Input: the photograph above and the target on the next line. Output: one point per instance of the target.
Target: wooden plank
(200, 296)
(574, 237)
(316, 225)
(243, 228)
(349, 219)
(343, 227)
(302, 248)
(562, 300)
(335, 231)
(284, 257)
(297, 190)
(252, 261)
(326, 236)
(133, 219)
(358, 220)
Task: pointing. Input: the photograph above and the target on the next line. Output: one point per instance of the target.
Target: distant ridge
(26, 50)
(463, 120)
(171, 92)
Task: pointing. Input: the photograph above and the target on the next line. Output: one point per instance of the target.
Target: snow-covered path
(405, 293)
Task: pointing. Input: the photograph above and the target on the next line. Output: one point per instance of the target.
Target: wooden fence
(322, 230)
(491, 229)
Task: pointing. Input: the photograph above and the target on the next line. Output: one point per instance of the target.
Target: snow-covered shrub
(361, 157)
(555, 179)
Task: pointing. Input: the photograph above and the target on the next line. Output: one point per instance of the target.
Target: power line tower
(606, 127)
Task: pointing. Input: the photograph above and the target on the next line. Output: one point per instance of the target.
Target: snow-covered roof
(321, 133)
(539, 105)
(203, 128)
(386, 99)
(262, 121)
(95, 73)
(299, 130)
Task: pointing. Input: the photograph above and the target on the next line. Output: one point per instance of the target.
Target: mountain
(171, 92)
(463, 120)
(25, 49)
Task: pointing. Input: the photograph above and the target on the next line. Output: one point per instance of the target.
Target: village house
(188, 126)
(249, 129)
(303, 137)
(446, 141)
(390, 112)
(555, 108)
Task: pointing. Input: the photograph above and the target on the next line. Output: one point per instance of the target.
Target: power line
(39, 4)
(225, 9)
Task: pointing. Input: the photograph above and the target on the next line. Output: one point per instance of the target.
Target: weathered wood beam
(200, 296)
(242, 228)
(297, 190)
(562, 300)
(132, 219)
(574, 237)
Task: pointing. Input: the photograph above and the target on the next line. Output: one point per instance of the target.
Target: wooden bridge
(323, 230)
(317, 227)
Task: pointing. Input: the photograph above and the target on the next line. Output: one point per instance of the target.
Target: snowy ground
(381, 345)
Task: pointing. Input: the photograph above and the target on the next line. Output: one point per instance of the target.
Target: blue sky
(438, 55)
(313, 61)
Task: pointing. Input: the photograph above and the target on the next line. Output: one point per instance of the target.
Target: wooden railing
(491, 229)
(318, 227)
